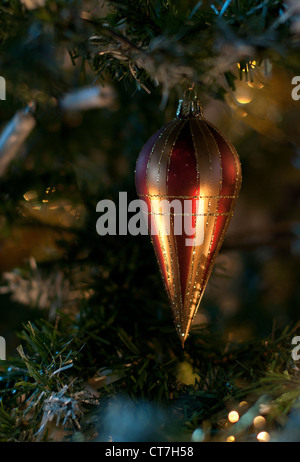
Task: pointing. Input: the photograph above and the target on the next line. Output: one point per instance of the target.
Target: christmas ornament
(189, 165)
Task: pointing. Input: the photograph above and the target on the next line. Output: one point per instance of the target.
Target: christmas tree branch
(47, 383)
(152, 43)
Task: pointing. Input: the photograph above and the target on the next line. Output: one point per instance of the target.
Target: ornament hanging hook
(190, 93)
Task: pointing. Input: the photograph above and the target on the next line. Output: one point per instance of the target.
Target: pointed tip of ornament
(183, 338)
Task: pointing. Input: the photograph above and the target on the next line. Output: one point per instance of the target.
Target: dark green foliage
(52, 359)
(118, 338)
(148, 42)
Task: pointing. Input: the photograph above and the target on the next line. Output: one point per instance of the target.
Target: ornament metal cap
(188, 109)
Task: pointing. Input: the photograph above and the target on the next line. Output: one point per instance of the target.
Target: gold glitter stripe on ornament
(164, 269)
(235, 155)
(209, 268)
(180, 307)
(173, 242)
(236, 189)
(153, 175)
(212, 138)
(201, 152)
(197, 194)
(205, 214)
(212, 151)
(167, 264)
(163, 159)
(188, 197)
(238, 177)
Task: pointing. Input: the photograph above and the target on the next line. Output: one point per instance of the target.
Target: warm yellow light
(230, 439)
(30, 195)
(240, 113)
(243, 93)
(263, 436)
(259, 421)
(243, 97)
(233, 416)
(256, 85)
(250, 64)
(243, 404)
(243, 69)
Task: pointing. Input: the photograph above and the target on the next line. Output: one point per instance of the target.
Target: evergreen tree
(91, 349)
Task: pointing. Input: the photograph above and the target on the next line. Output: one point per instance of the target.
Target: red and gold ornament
(188, 159)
